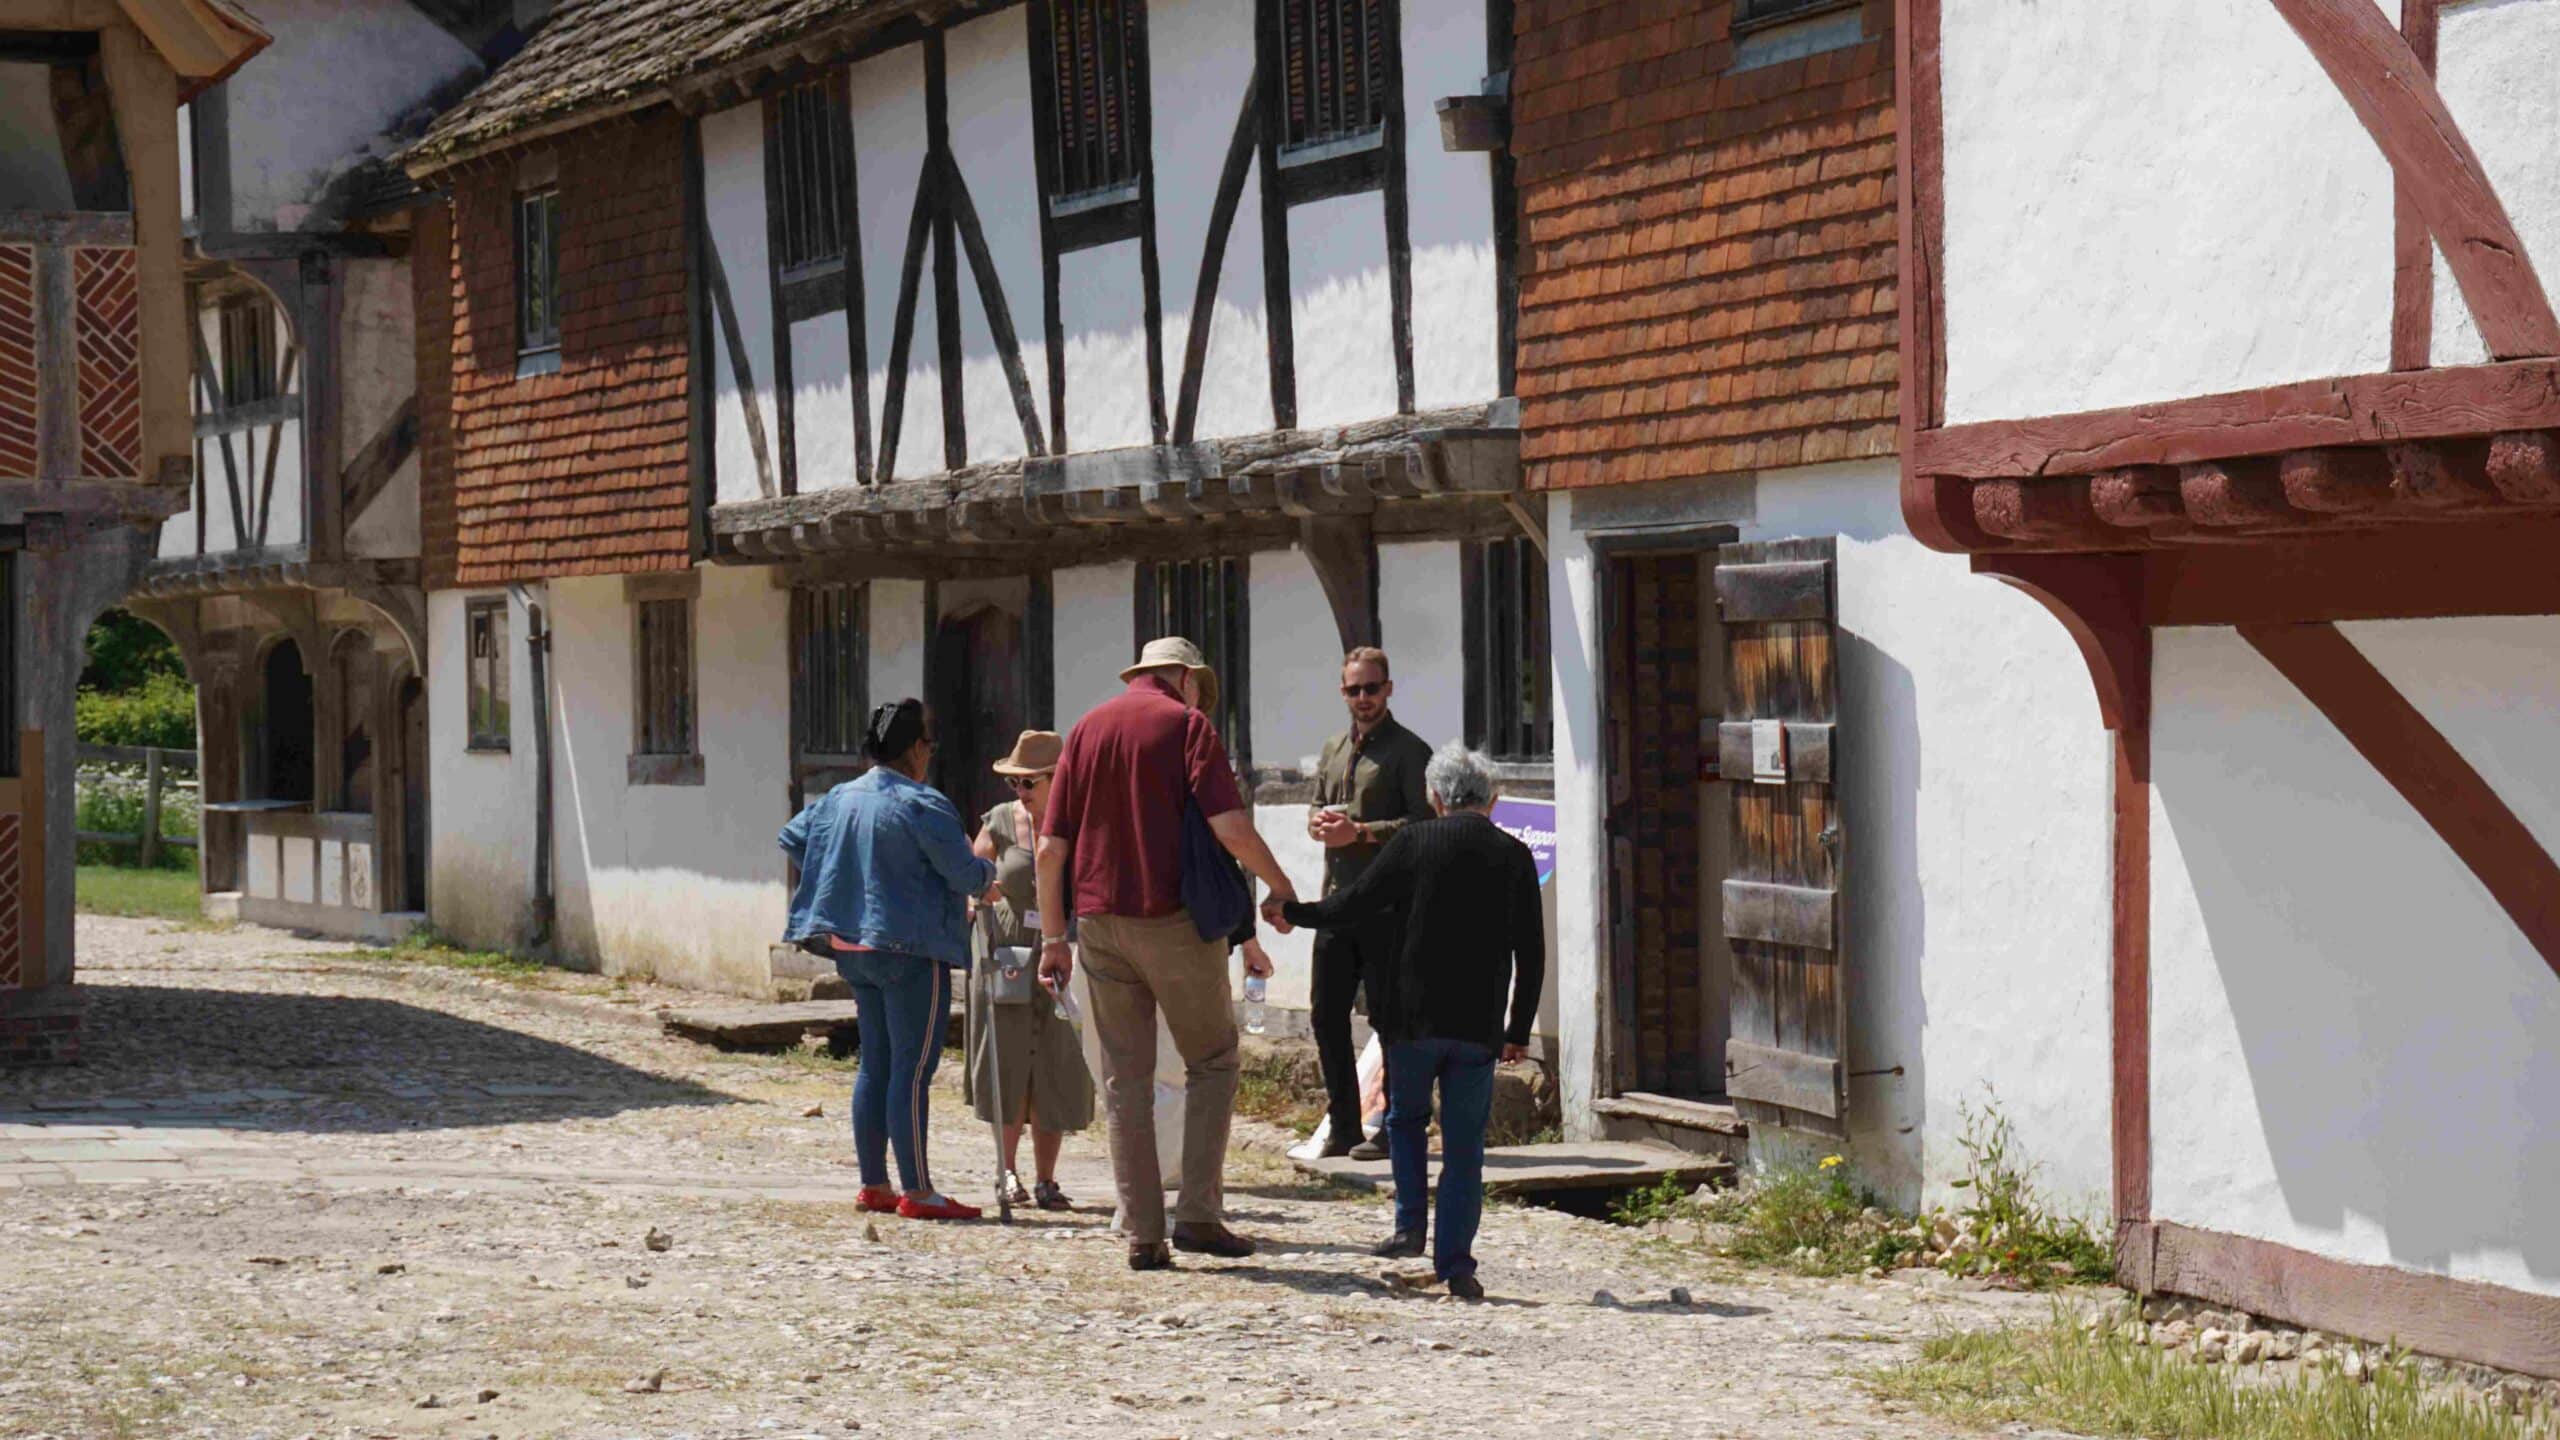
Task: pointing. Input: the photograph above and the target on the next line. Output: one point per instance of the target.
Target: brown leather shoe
(1215, 1240)
(1153, 1256)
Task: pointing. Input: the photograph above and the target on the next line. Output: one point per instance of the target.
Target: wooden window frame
(484, 675)
(1080, 214)
(837, 744)
(1226, 639)
(1750, 15)
(537, 256)
(245, 329)
(666, 710)
(809, 127)
(1509, 655)
(1321, 156)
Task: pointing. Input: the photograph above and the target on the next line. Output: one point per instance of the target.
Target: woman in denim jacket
(885, 877)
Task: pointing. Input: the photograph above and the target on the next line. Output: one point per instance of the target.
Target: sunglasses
(1025, 784)
(1365, 688)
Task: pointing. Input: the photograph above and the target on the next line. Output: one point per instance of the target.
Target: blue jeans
(1464, 1071)
(903, 1010)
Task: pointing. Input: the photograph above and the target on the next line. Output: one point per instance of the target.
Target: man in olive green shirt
(1367, 786)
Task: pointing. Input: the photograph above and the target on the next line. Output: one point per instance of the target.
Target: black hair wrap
(893, 731)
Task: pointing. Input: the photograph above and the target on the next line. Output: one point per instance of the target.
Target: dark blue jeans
(902, 1009)
(1464, 1071)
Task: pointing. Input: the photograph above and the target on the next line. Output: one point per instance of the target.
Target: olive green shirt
(1379, 776)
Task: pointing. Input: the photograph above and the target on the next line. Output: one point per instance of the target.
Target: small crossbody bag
(1009, 972)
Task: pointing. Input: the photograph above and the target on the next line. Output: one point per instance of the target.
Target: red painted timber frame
(2285, 592)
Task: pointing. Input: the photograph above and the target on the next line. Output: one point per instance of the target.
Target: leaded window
(1334, 59)
(1203, 601)
(1504, 589)
(811, 132)
(1098, 53)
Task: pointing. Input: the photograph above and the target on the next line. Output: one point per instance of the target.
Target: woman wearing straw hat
(1030, 1048)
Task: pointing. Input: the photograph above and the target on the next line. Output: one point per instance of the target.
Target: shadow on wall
(2397, 1031)
(384, 1065)
(1884, 915)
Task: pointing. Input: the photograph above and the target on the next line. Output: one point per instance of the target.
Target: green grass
(425, 947)
(1812, 1219)
(150, 894)
(2057, 1376)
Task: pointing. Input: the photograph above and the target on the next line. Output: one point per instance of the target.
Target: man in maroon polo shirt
(1111, 855)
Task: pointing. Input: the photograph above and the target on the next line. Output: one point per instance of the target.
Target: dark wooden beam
(717, 277)
(1344, 554)
(946, 257)
(785, 390)
(381, 458)
(982, 266)
(902, 325)
(2413, 250)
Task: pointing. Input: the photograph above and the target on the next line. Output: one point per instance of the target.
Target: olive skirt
(1037, 1053)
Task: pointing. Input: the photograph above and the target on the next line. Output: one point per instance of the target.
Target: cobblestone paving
(295, 1193)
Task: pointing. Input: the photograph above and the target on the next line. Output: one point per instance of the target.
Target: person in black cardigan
(1474, 936)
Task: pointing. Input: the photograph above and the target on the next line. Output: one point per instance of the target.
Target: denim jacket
(884, 863)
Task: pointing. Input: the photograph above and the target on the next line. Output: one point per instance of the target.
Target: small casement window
(1503, 587)
(663, 685)
(538, 279)
(248, 329)
(811, 132)
(833, 656)
(1334, 59)
(485, 671)
(1098, 49)
(1203, 601)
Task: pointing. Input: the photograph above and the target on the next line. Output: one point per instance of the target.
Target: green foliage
(423, 946)
(2011, 1231)
(1814, 1219)
(109, 798)
(2059, 1376)
(151, 894)
(160, 710)
(124, 652)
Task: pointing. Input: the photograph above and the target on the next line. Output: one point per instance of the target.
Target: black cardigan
(1472, 920)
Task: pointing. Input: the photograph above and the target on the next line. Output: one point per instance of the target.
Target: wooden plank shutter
(1786, 1060)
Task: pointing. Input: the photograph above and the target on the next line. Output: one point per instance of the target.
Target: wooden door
(1664, 1036)
(413, 794)
(1786, 1062)
(976, 694)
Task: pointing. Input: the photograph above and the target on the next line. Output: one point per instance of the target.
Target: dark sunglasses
(1365, 688)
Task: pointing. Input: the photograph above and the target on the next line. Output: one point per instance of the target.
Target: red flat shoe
(941, 1207)
(881, 1201)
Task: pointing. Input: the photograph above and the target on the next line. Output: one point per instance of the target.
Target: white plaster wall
(2212, 218)
(1420, 621)
(378, 373)
(1297, 660)
(989, 66)
(898, 641)
(338, 76)
(482, 805)
(1449, 212)
(1092, 616)
(1975, 800)
(733, 204)
(1340, 310)
(2498, 68)
(822, 401)
(681, 883)
(1102, 310)
(887, 100)
(249, 448)
(2353, 1047)
(1202, 57)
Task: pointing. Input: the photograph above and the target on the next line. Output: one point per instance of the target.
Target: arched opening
(283, 735)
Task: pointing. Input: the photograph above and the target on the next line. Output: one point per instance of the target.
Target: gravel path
(295, 1193)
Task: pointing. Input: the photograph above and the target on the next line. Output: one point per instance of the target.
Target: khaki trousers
(1133, 967)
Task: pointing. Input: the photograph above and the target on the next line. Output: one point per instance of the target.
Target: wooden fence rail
(155, 763)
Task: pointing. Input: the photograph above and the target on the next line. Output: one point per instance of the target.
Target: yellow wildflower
(1832, 1162)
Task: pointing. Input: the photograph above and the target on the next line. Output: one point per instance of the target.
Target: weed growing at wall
(2004, 1228)
(2066, 1375)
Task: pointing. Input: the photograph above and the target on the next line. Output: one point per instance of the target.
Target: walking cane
(995, 1061)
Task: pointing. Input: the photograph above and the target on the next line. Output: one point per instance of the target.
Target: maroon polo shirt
(1117, 797)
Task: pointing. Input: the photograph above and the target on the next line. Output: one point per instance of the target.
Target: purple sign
(1532, 823)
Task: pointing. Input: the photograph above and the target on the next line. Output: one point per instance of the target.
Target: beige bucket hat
(1035, 752)
(1174, 650)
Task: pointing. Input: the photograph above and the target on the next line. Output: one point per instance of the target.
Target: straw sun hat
(1174, 650)
(1034, 753)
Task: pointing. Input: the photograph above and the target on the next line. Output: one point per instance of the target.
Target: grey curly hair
(1460, 778)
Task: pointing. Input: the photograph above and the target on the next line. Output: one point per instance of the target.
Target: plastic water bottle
(1255, 988)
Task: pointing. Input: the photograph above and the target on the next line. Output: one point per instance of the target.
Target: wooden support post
(1344, 552)
(152, 776)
